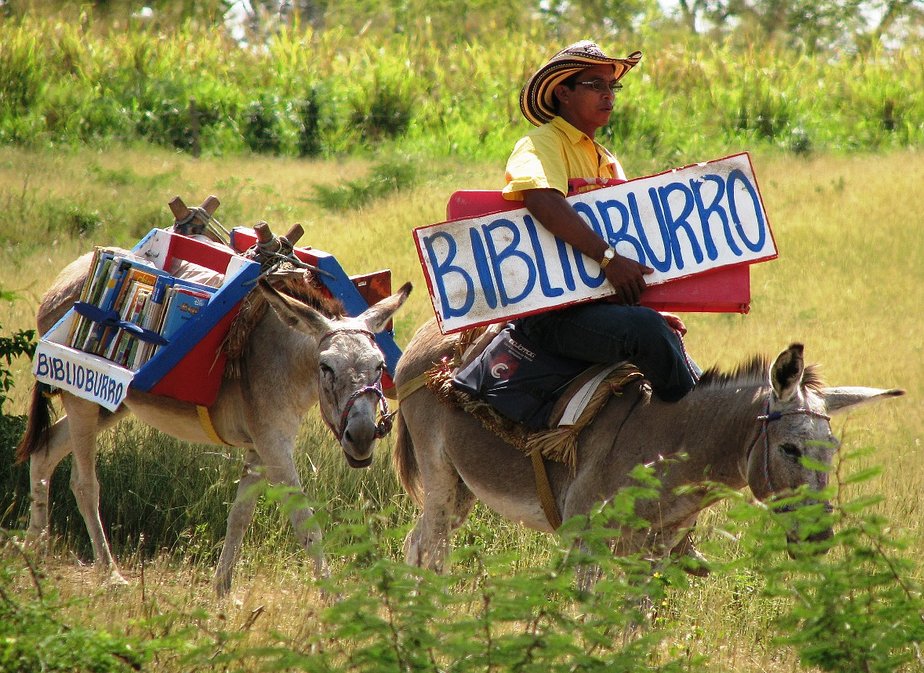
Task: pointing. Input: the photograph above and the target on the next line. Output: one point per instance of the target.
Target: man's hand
(562, 221)
(675, 323)
(628, 278)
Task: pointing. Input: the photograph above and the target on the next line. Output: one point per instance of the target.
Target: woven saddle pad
(574, 410)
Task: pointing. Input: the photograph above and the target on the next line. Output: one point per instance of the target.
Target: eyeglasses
(602, 85)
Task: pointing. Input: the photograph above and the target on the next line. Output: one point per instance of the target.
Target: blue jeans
(607, 333)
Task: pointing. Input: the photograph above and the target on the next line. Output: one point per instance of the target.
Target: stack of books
(130, 294)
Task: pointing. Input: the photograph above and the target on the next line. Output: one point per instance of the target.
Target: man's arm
(552, 210)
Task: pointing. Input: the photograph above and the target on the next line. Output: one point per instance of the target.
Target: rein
(384, 424)
(765, 419)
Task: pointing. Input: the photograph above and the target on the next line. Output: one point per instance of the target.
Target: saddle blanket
(516, 378)
(533, 400)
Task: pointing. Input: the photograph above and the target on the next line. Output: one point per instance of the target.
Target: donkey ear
(378, 315)
(294, 313)
(786, 373)
(847, 397)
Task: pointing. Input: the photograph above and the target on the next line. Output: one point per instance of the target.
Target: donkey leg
(282, 472)
(54, 447)
(239, 518)
(446, 507)
(83, 422)
(42, 465)
(278, 472)
(689, 557)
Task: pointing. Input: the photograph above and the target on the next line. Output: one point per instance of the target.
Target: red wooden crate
(191, 367)
(356, 293)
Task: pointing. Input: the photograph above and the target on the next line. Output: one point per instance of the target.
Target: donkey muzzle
(808, 534)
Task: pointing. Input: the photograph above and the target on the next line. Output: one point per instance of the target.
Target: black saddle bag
(517, 379)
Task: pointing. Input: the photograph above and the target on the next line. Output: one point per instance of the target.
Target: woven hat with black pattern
(536, 101)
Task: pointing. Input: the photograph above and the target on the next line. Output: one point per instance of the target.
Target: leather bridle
(384, 424)
(765, 419)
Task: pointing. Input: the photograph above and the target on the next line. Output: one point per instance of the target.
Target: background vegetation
(401, 80)
(360, 127)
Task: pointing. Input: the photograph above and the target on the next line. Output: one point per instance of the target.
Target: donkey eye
(326, 371)
(791, 451)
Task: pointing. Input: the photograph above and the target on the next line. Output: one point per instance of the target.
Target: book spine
(84, 293)
(97, 341)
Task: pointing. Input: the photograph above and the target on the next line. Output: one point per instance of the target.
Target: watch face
(609, 254)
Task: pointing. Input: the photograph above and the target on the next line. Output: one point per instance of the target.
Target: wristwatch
(608, 256)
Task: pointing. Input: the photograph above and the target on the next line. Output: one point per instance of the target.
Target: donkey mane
(305, 287)
(754, 372)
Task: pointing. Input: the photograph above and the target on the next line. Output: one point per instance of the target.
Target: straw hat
(536, 100)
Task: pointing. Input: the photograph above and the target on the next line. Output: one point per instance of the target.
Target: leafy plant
(72, 219)
(189, 89)
(381, 111)
(34, 637)
(857, 608)
(20, 342)
(308, 112)
(261, 126)
(21, 66)
(12, 426)
(483, 616)
(386, 177)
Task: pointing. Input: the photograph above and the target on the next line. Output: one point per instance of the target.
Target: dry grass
(848, 284)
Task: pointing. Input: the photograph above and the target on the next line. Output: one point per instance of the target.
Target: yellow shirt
(551, 154)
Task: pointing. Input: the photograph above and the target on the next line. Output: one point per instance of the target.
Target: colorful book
(183, 304)
(153, 316)
(137, 276)
(119, 269)
(92, 294)
(84, 293)
(113, 336)
(134, 306)
(135, 292)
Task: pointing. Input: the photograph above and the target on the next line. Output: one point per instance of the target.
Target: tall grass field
(361, 140)
(847, 284)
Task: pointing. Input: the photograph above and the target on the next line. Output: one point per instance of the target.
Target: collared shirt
(550, 155)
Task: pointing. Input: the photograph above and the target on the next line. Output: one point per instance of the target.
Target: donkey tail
(406, 462)
(36, 435)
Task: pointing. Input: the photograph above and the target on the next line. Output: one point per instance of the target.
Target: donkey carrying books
(302, 352)
(766, 425)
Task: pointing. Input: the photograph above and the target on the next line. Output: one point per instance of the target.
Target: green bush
(383, 111)
(22, 65)
(386, 177)
(33, 637)
(308, 113)
(327, 93)
(14, 479)
(857, 608)
(262, 126)
(72, 219)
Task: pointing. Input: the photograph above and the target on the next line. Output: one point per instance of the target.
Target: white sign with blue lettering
(683, 222)
(87, 376)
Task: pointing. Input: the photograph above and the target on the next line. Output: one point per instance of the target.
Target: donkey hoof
(115, 581)
(694, 563)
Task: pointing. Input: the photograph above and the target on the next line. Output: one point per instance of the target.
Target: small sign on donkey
(681, 223)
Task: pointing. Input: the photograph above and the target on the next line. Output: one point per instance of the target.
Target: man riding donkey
(569, 99)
